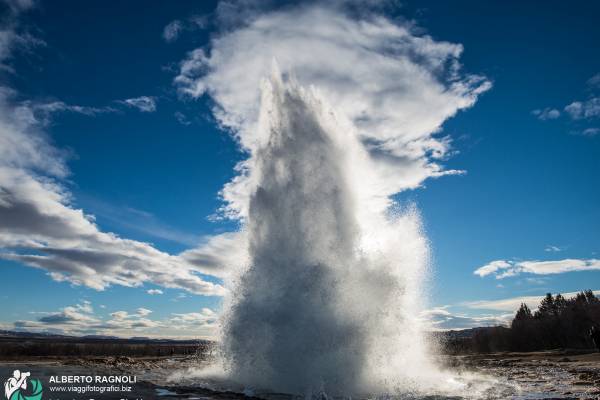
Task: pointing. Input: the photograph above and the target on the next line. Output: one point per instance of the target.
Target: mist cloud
(394, 87)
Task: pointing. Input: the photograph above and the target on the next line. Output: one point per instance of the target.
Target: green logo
(18, 387)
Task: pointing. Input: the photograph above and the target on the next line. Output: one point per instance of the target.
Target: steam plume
(328, 300)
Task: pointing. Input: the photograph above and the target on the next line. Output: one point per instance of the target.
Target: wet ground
(560, 374)
(541, 375)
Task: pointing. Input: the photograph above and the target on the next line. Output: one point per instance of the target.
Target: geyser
(330, 299)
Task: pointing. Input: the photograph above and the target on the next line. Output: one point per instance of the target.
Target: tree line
(558, 322)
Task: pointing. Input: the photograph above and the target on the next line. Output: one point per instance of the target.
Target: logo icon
(17, 388)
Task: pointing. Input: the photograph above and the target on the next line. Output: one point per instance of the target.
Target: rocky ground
(539, 375)
(560, 374)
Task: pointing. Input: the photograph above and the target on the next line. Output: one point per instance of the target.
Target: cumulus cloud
(513, 303)
(154, 291)
(205, 316)
(393, 87)
(80, 313)
(142, 103)
(143, 311)
(584, 109)
(80, 319)
(546, 113)
(503, 268)
(580, 112)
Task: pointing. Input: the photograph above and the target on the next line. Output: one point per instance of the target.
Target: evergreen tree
(523, 313)
(547, 307)
(560, 304)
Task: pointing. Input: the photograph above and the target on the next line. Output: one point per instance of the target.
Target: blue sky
(148, 162)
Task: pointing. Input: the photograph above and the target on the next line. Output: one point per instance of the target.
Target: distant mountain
(45, 335)
(12, 335)
(461, 333)
(98, 337)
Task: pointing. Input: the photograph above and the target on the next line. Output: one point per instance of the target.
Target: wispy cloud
(47, 109)
(13, 37)
(137, 220)
(176, 27)
(513, 303)
(440, 318)
(182, 118)
(553, 249)
(594, 81)
(506, 268)
(172, 30)
(590, 131)
(154, 291)
(142, 103)
(546, 113)
(42, 112)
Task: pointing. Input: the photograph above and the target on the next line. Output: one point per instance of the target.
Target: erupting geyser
(329, 300)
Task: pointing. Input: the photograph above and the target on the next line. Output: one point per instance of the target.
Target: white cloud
(581, 111)
(503, 268)
(12, 37)
(492, 267)
(441, 319)
(219, 254)
(119, 315)
(142, 103)
(552, 249)
(546, 113)
(154, 291)
(513, 303)
(39, 226)
(584, 109)
(206, 315)
(393, 87)
(80, 320)
(590, 131)
(44, 110)
(143, 311)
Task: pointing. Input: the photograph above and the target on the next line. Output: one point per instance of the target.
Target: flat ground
(544, 374)
(560, 374)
